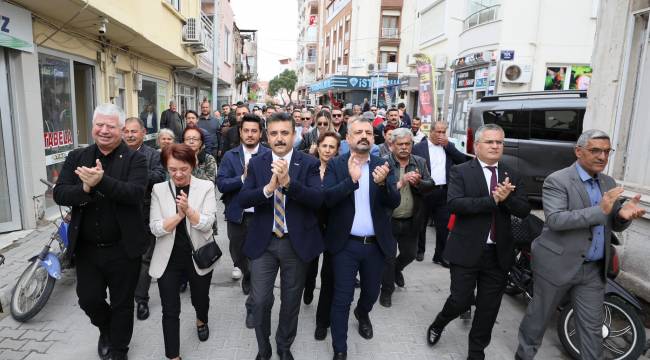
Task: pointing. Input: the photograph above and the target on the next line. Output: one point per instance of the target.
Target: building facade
(307, 52)
(618, 103)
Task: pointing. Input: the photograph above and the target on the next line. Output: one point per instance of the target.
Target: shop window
(515, 124)
(561, 125)
(152, 98)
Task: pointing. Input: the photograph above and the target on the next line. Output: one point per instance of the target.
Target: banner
(426, 93)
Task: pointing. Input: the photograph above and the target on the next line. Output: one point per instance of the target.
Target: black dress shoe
(399, 278)
(467, 315)
(385, 300)
(260, 357)
(340, 356)
(433, 335)
(419, 256)
(365, 326)
(320, 333)
(308, 296)
(143, 311)
(104, 346)
(183, 287)
(441, 262)
(118, 356)
(250, 321)
(285, 355)
(246, 285)
(203, 332)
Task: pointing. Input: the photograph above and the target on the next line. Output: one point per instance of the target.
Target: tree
(285, 81)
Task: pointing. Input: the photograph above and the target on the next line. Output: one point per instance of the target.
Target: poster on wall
(555, 78)
(426, 96)
(568, 77)
(580, 77)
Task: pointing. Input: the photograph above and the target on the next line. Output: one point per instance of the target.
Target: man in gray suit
(582, 209)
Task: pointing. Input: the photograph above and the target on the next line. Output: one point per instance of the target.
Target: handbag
(206, 255)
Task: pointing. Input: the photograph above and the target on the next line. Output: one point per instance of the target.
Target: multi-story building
(245, 65)
(61, 58)
(306, 56)
(225, 52)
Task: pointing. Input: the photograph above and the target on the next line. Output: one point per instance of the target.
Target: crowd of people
(355, 188)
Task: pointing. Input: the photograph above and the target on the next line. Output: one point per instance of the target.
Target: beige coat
(163, 205)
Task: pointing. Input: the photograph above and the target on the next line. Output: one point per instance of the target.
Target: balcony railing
(390, 33)
(310, 59)
(481, 17)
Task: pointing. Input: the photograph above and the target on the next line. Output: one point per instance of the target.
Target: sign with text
(426, 93)
(55, 139)
(16, 28)
(465, 79)
(507, 55)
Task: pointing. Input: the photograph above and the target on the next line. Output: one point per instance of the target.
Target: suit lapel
(118, 162)
(294, 165)
(479, 178)
(266, 168)
(580, 187)
(192, 198)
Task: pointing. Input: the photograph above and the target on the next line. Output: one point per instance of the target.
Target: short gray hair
(135, 120)
(165, 131)
(441, 122)
(400, 133)
(358, 119)
(110, 110)
(591, 134)
(479, 132)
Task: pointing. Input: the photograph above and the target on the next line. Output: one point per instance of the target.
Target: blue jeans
(368, 261)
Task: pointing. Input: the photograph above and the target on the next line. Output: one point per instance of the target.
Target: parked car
(541, 129)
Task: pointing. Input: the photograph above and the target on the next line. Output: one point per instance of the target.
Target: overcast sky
(277, 32)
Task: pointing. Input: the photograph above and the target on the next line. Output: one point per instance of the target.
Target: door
(9, 202)
(84, 99)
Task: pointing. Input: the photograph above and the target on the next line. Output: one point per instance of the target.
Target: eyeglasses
(306, 118)
(321, 124)
(337, 115)
(598, 151)
(192, 139)
(493, 142)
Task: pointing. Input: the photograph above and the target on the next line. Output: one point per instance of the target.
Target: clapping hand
(280, 168)
(631, 210)
(90, 176)
(354, 167)
(503, 190)
(380, 173)
(609, 198)
(181, 203)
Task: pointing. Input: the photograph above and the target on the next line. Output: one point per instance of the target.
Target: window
(389, 28)
(152, 97)
(560, 125)
(515, 124)
(176, 4)
(434, 18)
(478, 5)
(226, 46)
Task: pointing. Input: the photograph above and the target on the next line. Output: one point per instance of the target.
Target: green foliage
(285, 81)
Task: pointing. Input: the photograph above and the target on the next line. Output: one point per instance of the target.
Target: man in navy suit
(284, 187)
(361, 191)
(440, 155)
(230, 179)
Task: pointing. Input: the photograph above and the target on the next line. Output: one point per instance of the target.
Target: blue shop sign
(348, 82)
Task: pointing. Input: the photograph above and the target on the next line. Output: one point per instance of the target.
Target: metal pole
(215, 55)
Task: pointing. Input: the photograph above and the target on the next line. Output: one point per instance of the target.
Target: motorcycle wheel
(31, 292)
(623, 331)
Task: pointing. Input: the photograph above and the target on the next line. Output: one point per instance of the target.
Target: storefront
(344, 90)
(152, 95)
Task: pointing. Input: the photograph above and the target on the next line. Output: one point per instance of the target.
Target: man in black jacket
(104, 184)
(134, 132)
(483, 194)
(173, 121)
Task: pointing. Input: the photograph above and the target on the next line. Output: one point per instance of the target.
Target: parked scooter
(623, 331)
(35, 285)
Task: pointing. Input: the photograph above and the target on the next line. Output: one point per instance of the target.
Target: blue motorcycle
(36, 283)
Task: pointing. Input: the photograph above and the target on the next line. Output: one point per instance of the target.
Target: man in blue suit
(360, 190)
(284, 187)
(230, 179)
(440, 155)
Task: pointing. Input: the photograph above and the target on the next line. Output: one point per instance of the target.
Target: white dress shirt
(287, 158)
(362, 224)
(149, 120)
(247, 157)
(488, 176)
(438, 162)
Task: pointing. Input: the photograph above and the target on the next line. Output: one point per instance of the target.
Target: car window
(561, 124)
(515, 123)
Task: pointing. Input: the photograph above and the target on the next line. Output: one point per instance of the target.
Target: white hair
(110, 110)
(400, 133)
(591, 134)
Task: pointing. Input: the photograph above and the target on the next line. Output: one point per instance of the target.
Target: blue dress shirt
(592, 185)
(362, 224)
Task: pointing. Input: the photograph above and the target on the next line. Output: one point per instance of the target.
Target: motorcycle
(36, 283)
(624, 336)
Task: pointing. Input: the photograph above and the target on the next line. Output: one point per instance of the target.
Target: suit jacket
(454, 156)
(124, 184)
(469, 198)
(154, 121)
(163, 205)
(339, 197)
(173, 121)
(420, 212)
(559, 251)
(304, 197)
(156, 174)
(229, 181)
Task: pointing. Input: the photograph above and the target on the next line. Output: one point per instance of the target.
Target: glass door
(9, 202)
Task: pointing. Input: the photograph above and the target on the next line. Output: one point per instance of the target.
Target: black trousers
(489, 280)
(144, 280)
(407, 241)
(237, 236)
(326, 295)
(437, 202)
(180, 265)
(97, 270)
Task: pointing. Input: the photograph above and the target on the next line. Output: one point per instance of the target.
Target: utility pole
(215, 55)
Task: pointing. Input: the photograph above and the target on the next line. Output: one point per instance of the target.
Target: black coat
(468, 197)
(156, 174)
(124, 184)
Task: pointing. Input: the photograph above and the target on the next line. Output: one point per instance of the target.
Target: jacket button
(590, 239)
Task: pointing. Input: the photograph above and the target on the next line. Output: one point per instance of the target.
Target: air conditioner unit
(410, 60)
(373, 67)
(192, 30)
(516, 73)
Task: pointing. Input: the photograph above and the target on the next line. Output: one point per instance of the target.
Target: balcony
(310, 61)
(481, 17)
(390, 33)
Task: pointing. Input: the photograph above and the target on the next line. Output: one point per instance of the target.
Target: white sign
(16, 28)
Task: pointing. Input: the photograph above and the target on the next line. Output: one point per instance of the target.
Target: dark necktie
(493, 185)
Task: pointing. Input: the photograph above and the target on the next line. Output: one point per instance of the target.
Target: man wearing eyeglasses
(483, 193)
(582, 207)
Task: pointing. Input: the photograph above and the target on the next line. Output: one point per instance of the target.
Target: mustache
(279, 143)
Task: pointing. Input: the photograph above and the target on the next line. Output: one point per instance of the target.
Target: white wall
(364, 37)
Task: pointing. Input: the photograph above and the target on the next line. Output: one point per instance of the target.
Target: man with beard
(211, 125)
(134, 132)
(104, 183)
(284, 187)
(361, 192)
(231, 137)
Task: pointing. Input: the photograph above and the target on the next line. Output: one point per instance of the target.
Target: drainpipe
(215, 55)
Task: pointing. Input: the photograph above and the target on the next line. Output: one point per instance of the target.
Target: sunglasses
(321, 124)
(306, 118)
(337, 115)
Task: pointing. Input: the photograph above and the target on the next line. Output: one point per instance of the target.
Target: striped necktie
(278, 213)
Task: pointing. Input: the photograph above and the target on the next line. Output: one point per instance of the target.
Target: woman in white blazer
(182, 210)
